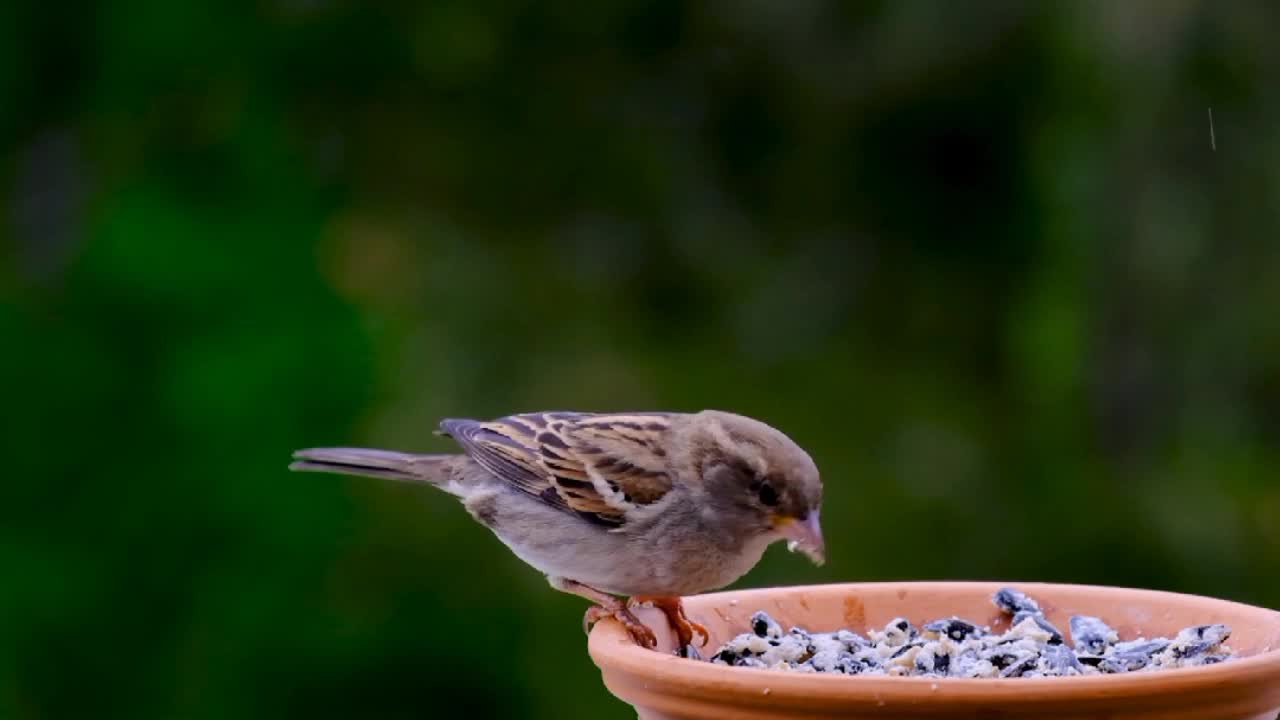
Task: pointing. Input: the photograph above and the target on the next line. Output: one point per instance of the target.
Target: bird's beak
(804, 535)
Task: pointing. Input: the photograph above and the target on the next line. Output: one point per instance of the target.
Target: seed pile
(952, 647)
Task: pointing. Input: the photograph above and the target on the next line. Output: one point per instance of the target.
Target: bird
(622, 509)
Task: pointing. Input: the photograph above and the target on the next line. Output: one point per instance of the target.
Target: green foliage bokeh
(984, 260)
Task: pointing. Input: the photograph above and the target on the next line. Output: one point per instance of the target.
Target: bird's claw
(673, 608)
(643, 636)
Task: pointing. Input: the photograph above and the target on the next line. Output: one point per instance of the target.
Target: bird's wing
(597, 466)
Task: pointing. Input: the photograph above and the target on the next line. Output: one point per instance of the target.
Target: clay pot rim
(612, 648)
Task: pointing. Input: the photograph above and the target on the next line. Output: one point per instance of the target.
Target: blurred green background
(983, 260)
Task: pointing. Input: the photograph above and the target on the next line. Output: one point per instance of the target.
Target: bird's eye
(768, 496)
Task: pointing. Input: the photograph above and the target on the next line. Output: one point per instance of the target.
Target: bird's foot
(643, 636)
(606, 606)
(673, 608)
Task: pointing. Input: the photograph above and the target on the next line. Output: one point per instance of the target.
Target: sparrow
(620, 508)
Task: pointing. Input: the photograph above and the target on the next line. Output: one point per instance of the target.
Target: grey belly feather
(615, 561)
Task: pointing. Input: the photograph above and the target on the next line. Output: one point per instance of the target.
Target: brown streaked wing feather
(508, 448)
(625, 452)
(565, 468)
(501, 451)
(598, 466)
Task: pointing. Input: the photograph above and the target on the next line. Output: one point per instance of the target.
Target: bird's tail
(433, 469)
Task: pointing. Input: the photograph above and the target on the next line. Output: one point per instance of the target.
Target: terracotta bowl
(660, 685)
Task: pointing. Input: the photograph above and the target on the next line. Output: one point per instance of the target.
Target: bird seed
(955, 647)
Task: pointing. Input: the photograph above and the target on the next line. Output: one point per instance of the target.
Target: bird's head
(756, 479)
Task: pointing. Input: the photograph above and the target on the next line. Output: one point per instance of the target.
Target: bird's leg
(673, 608)
(606, 606)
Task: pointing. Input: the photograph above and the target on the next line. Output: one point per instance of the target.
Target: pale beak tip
(806, 537)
